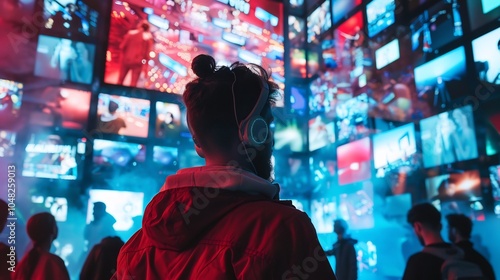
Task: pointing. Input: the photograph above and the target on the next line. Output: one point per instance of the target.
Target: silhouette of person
(459, 232)
(110, 122)
(346, 264)
(100, 227)
(101, 261)
(39, 263)
(63, 57)
(80, 67)
(135, 49)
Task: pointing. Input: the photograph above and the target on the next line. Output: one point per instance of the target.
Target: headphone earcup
(254, 132)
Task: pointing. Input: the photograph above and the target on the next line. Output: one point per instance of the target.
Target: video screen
(111, 155)
(166, 157)
(122, 205)
(189, 158)
(437, 26)
(341, 8)
(392, 83)
(322, 95)
(433, 77)
(298, 101)
(289, 134)
(7, 143)
(380, 14)
(298, 63)
(292, 173)
(57, 206)
(356, 207)
(60, 107)
(448, 137)
(387, 54)
(312, 63)
(169, 43)
(495, 186)
(456, 186)
(323, 214)
(64, 60)
(486, 54)
(20, 25)
(321, 133)
(54, 157)
(123, 115)
(11, 94)
(353, 59)
(352, 118)
(395, 150)
(168, 120)
(482, 12)
(354, 161)
(296, 32)
(318, 22)
(323, 170)
(70, 18)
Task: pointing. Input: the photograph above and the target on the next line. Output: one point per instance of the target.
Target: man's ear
(417, 227)
(199, 151)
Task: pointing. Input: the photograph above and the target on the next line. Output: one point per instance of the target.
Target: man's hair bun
(203, 65)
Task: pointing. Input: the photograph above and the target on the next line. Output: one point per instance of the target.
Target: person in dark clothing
(426, 222)
(100, 227)
(110, 122)
(101, 261)
(459, 232)
(346, 265)
(4, 249)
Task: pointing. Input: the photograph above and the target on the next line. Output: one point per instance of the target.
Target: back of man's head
(425, 214)
(4, 212)
(211, 108)
(461, 223)
(340, 226)
(113, 106)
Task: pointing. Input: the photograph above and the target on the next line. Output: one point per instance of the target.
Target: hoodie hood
(194, 200)
(108, 117)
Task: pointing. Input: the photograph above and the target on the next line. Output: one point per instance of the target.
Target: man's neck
(433, 238)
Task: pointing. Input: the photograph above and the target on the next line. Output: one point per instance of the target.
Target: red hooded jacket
(222, 223)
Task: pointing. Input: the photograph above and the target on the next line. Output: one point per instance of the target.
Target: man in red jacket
(224, 220)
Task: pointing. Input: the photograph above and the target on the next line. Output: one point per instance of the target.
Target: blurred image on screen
(166, 157)
(52, 156)
(352, 117)
(341, 8)
(298, 101)
(289, 134)
(57, 206)
(123, 115)
(437, 26)
(356, 207)
(434, 77)
(448, 137)
(319, 22)
(111, 154)
(7, 143)
(64, 59)
(122, 205)
(321, 133)
(387, 54)
(292, 173)
(456, 186)
(11, 94)
(323, 214)
(354, 161)
(168, 120)
(296, 32)
(70, 18)
(380, 15)
(60, 107)
(151, 43)
(486, 51)
(395, 150)
(482, 12)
